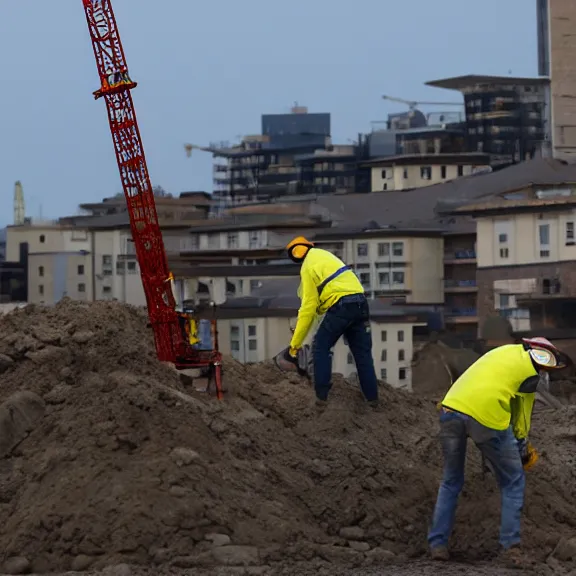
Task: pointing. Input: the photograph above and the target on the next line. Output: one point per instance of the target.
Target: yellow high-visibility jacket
(489, 390)
(318, 266)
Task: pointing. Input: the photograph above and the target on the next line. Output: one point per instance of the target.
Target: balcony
(460, 286)
(460, 257)
(461, 315)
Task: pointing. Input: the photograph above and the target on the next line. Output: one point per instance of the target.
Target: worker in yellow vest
(329, 287)
(492, 404)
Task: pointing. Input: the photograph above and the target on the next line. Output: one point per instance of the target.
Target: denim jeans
(500, 448)
(349, 317)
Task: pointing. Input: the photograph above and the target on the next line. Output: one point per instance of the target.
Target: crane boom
(115, 86)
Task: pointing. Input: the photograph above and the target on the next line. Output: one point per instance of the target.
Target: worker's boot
(376, 405)
(320, 406)
(440, 553)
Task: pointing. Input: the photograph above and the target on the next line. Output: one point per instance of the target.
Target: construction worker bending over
(331, 288)
(492, 404)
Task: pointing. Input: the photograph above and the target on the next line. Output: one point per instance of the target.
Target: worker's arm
(521, 414)
(308, 308)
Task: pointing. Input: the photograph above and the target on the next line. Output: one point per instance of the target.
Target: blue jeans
(349, 317)
(500, 448)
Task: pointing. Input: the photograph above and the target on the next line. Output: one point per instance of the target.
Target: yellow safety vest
(489, 390)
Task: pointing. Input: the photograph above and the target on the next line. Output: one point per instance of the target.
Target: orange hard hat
(298, 248)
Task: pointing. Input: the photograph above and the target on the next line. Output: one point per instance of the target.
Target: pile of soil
(435, 366)
(108, 456)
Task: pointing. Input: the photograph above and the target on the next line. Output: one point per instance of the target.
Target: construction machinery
(413, 104)
(173, 331)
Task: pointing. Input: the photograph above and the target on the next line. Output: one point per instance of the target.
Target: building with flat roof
(506, 116)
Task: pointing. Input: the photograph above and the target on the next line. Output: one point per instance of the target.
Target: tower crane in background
(413, 104)
(115, 86)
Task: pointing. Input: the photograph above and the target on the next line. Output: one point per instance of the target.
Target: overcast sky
(207, 70)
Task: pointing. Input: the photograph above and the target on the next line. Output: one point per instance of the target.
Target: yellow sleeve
(308, 308)
(521, 414)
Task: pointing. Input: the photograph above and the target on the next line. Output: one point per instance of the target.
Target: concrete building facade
(557, 61)
(418, 171)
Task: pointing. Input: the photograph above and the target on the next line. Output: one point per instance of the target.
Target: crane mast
(115, 86)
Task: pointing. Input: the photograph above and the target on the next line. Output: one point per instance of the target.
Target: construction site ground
(113, 462)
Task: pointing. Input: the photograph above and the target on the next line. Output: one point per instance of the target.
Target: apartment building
(420, 170)
(403, 265)
(256, 329)
(557, 64)
(506, 117)
(93, 257)
(526, 249)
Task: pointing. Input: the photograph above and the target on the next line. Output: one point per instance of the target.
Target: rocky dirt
(109, 457)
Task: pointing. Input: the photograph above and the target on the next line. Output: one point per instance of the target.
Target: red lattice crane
(115, 86)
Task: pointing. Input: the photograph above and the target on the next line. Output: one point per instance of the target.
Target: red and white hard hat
(545, 354)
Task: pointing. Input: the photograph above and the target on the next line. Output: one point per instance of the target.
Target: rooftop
(287, 307)
(457, 158)
(468, 81)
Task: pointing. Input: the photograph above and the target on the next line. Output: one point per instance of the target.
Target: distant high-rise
(557, 60)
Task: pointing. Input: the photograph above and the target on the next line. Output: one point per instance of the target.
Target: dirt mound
(127, 464)
(435, 366)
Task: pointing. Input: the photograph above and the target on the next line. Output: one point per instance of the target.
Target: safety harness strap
(326, 281)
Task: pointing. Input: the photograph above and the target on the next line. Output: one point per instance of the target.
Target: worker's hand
(528, 454)
(293, 352)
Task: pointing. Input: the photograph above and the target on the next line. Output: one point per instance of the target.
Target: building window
(443, 172)
(397, 277)
(398, 249)
(255, 239)
(544, 237)
(120, 267)
(383, 336)
(426, 173)
(362, 249)
(384, 278)
(80, 269)
(400, 335)
(502, 238)
(402, 374)
(383, 248)
(81, 287)
(460, 170)
(234, 338)
(385, 186)
(401, 356)
(384, 175)
(42, 238)
(383, 356)
(350, 359)
(504, 300)
(40, 288)
(106, 289)
(365, 279)
(504, 253)
(233, 240)
(131, 267)
(252, 344)
(569, 232)
(40, 270)
(405, 173)
(107, 265)
(252, 330)
(383, 373)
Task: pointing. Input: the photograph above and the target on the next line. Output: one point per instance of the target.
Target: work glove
(291, 355)
(528, 454)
